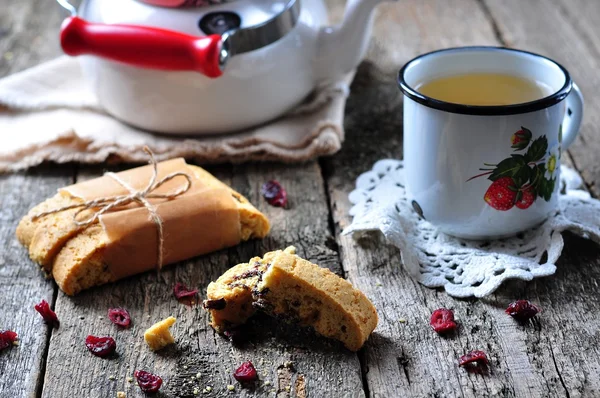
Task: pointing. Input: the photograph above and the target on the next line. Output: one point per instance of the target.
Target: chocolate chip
(218, 304)
(263, 305)
(248, 274)
(240, 285)
(260, 293)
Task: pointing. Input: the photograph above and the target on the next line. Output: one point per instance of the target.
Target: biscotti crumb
(158, 335)
(130, 379)
(121, 394)
(230, 387)
(402, 320)
(267, 383)
(196, 391)
(111, 377)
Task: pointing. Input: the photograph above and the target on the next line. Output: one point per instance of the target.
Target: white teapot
(211, 66)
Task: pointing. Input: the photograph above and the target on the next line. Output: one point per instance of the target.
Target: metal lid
(185, 3)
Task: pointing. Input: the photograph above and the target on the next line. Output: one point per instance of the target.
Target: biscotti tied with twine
(197, 219)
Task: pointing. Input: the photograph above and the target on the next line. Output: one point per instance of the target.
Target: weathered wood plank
(320, 368)
(24, 41)
(408, 359)
(28, 33)
(566, 31)
(22, 284)
(572, 293)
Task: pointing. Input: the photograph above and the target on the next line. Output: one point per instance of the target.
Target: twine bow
(107, 204)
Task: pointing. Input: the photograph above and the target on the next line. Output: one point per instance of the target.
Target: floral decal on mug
(525, 176)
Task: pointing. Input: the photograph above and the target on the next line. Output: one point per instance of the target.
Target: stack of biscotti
(289, 287)
(76, 256)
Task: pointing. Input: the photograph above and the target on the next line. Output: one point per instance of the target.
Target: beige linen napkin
(48, 113)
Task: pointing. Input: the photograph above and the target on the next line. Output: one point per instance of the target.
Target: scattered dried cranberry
(7, 338)
(274, 193)
(475, 360)
(147, 381)
(49, 316)
(246, 373)
(119, 316)
(181, 291)
(522, 310)
(101, 346)
(442, 321)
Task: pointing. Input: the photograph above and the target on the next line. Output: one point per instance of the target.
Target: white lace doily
(465, 267)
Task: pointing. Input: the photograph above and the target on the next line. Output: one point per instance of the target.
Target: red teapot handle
(146, 47)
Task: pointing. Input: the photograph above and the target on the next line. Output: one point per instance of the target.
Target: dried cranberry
(119, 316)
(474, 360)
(101, 346)
(522, 310)
(246, 373)
(442, 321)
(7, 338)
(49, 316)
(274, 193)
(181, 291)
(147, 381)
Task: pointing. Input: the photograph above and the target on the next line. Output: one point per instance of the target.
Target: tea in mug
(484, 89)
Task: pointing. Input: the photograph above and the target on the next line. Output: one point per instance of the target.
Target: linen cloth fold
(48, 113)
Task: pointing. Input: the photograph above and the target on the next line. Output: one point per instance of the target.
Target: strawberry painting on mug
(524, 176)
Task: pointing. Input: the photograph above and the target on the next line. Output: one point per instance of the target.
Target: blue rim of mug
(489, 110)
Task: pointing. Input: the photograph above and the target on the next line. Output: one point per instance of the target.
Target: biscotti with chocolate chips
(79, 257)
(289, 287)
(229, 298)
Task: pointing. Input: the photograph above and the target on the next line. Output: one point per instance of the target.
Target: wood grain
(572, 339)
(319, 368)
(28, 33)
(22, 284)
(541, 359)
(556, 355)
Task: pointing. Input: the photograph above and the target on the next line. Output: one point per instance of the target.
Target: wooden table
(555, 355)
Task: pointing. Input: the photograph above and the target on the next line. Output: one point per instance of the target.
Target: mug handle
(573, 116)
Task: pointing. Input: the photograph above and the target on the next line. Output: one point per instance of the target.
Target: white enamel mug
(483, 172)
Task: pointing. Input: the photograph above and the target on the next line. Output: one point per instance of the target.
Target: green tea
(484, 89)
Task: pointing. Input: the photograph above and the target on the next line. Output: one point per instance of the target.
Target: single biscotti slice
(301, 291)
(79, 265)
(28, 225)
(229, 298)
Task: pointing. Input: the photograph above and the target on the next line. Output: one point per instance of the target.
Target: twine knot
(109, 203)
